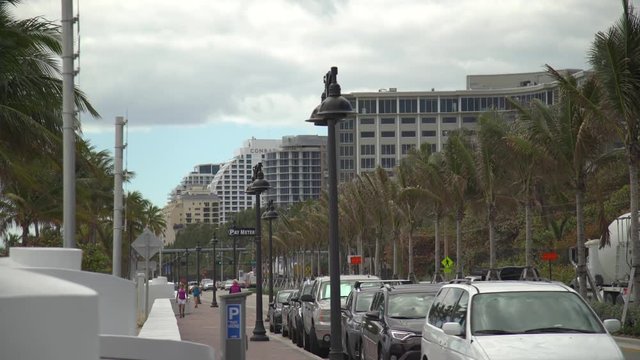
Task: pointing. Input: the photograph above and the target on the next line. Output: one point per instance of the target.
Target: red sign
(355, 259)
(550, 256)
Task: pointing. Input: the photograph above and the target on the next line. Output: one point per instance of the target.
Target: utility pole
(68, 131)
(118, 199)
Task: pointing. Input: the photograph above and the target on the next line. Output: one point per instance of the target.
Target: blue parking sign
(233, 321)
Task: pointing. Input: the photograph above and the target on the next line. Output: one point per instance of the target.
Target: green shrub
(631, 325)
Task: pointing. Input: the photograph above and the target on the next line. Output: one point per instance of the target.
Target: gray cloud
(255, 61)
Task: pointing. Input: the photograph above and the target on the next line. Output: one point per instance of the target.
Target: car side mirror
(306, 298)
(452, 328)
(373, 314)
(612, 325)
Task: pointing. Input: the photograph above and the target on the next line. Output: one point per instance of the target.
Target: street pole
(214, 241)
(68, 129)
(198, 248)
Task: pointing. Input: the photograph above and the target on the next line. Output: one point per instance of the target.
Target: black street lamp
(186, 271)
(333, 108)
(270, 215)
(257, 187)
(198, 249)
(214, 241)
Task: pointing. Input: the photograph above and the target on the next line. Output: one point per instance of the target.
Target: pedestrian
(235, 288)
(181, 299)
(196, 294)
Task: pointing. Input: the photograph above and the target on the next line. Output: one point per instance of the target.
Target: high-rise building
(234, 176)
(390, 122)
(297, 170)
(191, 202)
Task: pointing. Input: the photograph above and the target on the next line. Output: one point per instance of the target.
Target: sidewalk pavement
(203, 326)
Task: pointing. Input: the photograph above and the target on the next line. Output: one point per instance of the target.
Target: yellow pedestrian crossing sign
(447, 263)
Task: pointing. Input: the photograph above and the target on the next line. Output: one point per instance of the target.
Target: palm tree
(615, 58)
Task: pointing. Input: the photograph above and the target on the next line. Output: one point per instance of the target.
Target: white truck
(610, 267)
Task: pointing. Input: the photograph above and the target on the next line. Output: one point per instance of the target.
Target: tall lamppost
(333, 108)
(186, 270)
(198, 249)
(214, 241)
(270, 215)
(257, 187)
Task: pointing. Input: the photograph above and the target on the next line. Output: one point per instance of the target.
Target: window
(449, 120)
(388, 163)
(367, 106)
(408, 120)
(428, 120)
(367, 134)
(387, 134)
(388, 149)
(387, 106)
(433, 147)
(367, 163)
(346, 150)
(469, 119)
(428, 133)
(449, 105)
(428, 105)
(408, 134)
(387, 121)
(408, 105)
(346, 125)
(407, 147)
(367, 149)
(345, 164)
(367, 121)
(345, 138)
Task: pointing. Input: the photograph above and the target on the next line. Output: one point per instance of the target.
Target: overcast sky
(195, 78)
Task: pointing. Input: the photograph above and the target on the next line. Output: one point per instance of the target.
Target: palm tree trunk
(582, 274)
(376, 256)
(633, 190)
(492, 236)
(437, 245)
(459, 216)
(395, 255)
(410, 268)
(527, 231)
(361, 252)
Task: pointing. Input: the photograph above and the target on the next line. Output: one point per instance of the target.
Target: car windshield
(531, 312)
(345, 289)
(409, 305)
(283, 296)
(363, 301)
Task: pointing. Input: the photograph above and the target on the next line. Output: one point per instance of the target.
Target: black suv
(393, 325)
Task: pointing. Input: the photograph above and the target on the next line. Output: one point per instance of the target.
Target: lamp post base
(214, 302)
(259, 333)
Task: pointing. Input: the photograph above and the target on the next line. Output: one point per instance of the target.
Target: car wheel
(271, 329)
(299, 338)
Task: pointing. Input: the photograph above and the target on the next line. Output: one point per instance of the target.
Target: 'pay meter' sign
(233, 321)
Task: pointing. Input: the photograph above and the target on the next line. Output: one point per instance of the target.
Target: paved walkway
(203, 326)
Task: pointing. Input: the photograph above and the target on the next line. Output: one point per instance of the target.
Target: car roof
(512, 286)
(409, 288)
(349, 277)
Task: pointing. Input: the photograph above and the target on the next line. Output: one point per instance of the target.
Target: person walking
(235, 288)
(181, 299)
(196, 295)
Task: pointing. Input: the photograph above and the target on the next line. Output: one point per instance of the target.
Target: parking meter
(234, 341)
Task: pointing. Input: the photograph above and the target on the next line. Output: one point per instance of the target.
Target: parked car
(296, 324)
(227, 284)
(316, 311)
(206, 284)
(515, 320)
(275, 310)
(191, 284)
(392, 328)
(287, 309)
(358, 302)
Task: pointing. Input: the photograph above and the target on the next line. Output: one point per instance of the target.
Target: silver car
(499, 320)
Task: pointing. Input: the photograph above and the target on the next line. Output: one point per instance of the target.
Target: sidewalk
(203, 326)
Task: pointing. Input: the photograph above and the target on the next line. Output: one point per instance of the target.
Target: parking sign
(233, 321)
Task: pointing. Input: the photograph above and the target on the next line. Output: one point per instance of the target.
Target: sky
(196, 78)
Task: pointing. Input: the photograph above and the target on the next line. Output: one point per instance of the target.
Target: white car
(227, 284)
(515, 320)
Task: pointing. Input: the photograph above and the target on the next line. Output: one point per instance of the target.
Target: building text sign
(242, 232)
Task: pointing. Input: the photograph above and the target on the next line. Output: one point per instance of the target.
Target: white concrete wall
(137, 348)
(60, 258)
(43, 317)
(161, 323)
(116, 301)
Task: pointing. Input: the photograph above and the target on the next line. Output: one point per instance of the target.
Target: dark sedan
(275, 310)
(356, 305)
(287, 312)
(393, 326)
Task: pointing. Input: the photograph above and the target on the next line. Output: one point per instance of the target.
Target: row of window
(408, 133)
(430, 105)
(424, 120)
(283, 162)
(275, 177)
(294, 155)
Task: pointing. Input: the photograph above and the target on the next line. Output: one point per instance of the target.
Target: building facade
(231, 181)
(389, 122)
(297, 170)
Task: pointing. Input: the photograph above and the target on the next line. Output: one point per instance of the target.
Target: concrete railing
(161, 323)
